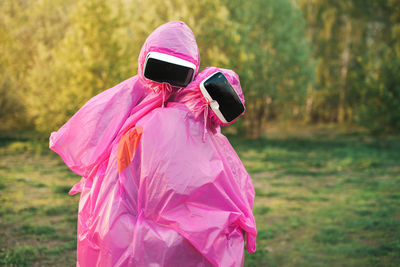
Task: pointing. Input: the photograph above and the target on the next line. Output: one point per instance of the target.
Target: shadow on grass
(61, 189)
(28, 229)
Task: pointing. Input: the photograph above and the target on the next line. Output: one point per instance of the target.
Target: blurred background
(320, 136)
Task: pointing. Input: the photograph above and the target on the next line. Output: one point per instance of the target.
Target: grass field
(320, 201)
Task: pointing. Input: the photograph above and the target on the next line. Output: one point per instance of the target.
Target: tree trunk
(344, 69)
(260, 117)
(310, 35)
(309, 103)
(251, 119)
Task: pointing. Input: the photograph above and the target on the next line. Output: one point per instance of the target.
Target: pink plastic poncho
(87, 140)
(183, 197)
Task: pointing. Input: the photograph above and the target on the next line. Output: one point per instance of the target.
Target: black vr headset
(224, 100)
(163, 68)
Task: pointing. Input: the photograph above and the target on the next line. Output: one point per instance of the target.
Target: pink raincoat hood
(174, 38)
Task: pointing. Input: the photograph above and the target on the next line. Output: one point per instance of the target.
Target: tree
(59, 53)
(351, 42)
(14, 61)
(208, 19)
(380, 93)
(100, 49)
(25, 27)
(85, 62)
(269, 50)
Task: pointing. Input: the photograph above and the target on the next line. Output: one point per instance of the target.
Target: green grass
(321, 200)
(21, 256)
(331, 200)
(37, 216)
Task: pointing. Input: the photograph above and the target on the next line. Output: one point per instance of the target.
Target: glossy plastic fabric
(185, 196)
(190, 198)
(87, 140)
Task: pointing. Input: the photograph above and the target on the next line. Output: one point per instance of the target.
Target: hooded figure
(88, 143)
(183, 187)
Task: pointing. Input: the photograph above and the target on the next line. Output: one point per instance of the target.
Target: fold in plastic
(198, 189)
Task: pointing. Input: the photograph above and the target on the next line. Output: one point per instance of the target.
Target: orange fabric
(127, 147)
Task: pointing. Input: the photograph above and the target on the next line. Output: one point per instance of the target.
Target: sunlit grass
(329, 201)
(319, 201)
(35, 211)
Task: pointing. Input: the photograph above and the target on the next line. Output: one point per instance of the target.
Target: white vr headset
(224, 101)
(164, 68)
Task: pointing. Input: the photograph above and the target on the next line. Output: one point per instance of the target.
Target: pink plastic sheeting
(197, 104)
(179, 195)
(85, 141)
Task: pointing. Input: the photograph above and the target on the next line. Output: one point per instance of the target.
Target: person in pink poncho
(88, 144)
(85, 141)
(184, 197)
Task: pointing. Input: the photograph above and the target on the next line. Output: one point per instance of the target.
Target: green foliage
(273, 59)
(11, 108)
(380, 94)
(94, 45)
(380, 103)
(314, 61)
(25, 28)
(209, 21)
(99, 49)
(355, 43)
(85, 62)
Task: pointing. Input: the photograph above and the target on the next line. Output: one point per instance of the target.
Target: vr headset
(163, 68)
(224, 100)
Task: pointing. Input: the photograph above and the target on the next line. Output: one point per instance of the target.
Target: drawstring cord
(200, 107)
(205, 112)
(165, 87)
